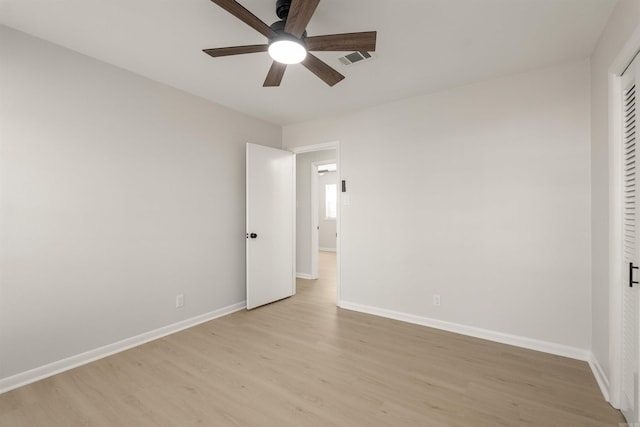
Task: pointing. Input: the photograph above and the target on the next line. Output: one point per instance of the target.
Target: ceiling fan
(288, 41)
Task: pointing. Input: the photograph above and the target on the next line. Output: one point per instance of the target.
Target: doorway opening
(324, 206)
(318, 199)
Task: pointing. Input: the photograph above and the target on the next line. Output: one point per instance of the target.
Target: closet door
(630, 259)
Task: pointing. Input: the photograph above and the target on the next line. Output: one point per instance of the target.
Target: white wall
(327, 233)
(303, 212)
(117, 193)
(486, 203)
(624, 20)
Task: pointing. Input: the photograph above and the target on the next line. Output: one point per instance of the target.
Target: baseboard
(601, 378)
(515, 340)
(327, 249)
(33, 375)
(304, 276)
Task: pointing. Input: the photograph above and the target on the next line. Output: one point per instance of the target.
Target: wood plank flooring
(303, 362)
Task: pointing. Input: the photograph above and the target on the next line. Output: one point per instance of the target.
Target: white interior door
(270, 225)
(630, 398)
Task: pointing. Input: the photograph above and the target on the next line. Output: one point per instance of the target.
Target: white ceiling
(423, 45)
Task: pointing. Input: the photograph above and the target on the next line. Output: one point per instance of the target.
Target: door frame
(617, 68)
(315, 218)
(319, 147)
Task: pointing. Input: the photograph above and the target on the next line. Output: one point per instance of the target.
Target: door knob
(253, 235)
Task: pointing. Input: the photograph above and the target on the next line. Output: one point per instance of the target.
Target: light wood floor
(303, 362)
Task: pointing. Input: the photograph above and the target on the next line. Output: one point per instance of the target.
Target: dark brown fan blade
(236, 50)
(365, 41)
(237, 10)
(274, 77)
(322, 70)
(300, 13)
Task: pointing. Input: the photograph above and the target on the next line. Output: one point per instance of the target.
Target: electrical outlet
(179, 300)
(436, 300)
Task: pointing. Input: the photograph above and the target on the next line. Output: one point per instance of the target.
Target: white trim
(615, 244)
(315, 220)
(327, 249)
(314, 147)
(294, 215)
(33, 375)
(515, 340)
(601, 378)
(305, 276)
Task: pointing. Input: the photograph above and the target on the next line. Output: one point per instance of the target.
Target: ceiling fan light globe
(287, 52)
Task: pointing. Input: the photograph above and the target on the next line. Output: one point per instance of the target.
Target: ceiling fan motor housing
(282, 8)
(278, 27)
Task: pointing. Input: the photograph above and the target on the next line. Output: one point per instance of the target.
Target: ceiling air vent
(354, 57)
